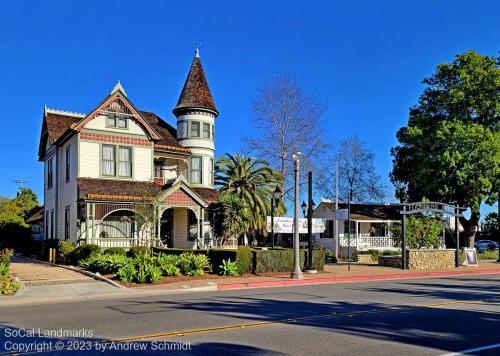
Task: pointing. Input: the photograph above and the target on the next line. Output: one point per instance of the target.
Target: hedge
(282, 260)
(250, 260)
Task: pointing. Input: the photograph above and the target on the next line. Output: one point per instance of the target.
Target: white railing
(365, 242)
(124, 242)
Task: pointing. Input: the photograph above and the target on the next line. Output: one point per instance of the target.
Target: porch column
(200, 227)
(87, 222)
(158, 226)
(356, 233)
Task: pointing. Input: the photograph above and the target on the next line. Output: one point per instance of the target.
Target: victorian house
(119, 176)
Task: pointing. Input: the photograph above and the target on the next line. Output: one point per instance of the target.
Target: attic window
(116, 121)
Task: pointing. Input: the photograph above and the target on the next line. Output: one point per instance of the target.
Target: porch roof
(370, 212)
(131, 191)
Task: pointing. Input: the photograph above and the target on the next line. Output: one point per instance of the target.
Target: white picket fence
(363, 243)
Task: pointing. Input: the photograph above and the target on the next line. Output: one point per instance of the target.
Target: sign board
(470, 257)
(431, 206)
(342, 214)
(285, 225)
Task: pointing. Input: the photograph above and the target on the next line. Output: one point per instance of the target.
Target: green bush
(217, 255)
(139, 250)
(177, 251)
(391, 252)
(8, 285)
(330, 257)
(282, 260)
(193, 265)
(83, 252)
(244, 261)
(4, 268)
(169, 264)
(421, 231)
(115, 251)
(228, 268)
(65, 248)
(5, 255)
(127, 273)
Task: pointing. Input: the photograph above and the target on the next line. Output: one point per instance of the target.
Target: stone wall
(431, 259)
(421, 259)
(390, 261)
(365, 258)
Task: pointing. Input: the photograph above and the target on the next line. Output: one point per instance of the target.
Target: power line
(20, 182)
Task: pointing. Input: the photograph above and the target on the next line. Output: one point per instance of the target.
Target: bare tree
(358, 179)
(286, 120)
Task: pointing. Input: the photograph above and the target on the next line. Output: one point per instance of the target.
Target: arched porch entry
(180, 227)
(122, 228)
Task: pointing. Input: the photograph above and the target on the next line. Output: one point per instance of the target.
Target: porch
(368, 235)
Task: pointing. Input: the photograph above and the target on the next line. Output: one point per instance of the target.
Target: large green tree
(450, 149)
(252, 181)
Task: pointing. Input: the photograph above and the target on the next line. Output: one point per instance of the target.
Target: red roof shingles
(57, 124)
(168, 134)
(122, 190)
(195, 93)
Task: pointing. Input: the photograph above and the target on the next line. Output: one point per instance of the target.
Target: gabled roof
(35, 215)
(369, 211)
(117, 96)
(196, 93)
(181, 183)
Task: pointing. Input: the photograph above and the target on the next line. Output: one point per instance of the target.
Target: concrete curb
(348, 279)
(21, 289)
(96, 276)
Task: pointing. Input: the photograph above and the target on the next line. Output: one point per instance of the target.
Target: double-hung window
(116, 121)
(68, 157)
(211, 171)
(213, 133)
(206, 130)
(50, 174)
(195, 129)
(108, 160)
(125, 162)
(196, 169)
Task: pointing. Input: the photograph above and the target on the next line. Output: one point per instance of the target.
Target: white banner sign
(285, 225)
(342, 214)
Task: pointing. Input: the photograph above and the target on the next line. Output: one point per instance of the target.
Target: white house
(121, 176)
(370, 226)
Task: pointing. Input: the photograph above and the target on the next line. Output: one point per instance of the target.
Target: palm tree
(252, 181)
(230, 217)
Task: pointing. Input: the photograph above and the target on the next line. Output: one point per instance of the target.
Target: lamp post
(296, 273)
(276, 196)
(309, 208)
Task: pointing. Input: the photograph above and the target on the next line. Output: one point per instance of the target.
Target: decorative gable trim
(117, 102)
(180, 185)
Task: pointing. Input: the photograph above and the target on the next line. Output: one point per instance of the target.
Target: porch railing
(369, 242)
(125, 242)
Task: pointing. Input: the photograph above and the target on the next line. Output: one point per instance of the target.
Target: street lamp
(304, 208)
(275, 198)
(296, 273)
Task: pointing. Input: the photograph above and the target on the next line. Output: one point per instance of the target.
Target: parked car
(483, 245)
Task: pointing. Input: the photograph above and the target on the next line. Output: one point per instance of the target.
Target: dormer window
(116, 122)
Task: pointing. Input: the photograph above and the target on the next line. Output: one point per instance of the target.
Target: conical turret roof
(196, 93)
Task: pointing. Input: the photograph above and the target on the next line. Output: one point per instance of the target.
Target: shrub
(5, 255)
(115, 251)
(177, 251)
(8, 285)
(330, 257)
(104, 263)
(153, 273)
(127, 273)
(169, 264)
(65, 248)
(193, 265)
(217, 255)
(421, 231)
(4, 268)
(138, 250)
(244, 261)
(83, 252)
(282, 260)
(229, 268)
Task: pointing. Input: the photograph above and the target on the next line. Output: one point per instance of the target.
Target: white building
(370, 227)
(104, 167)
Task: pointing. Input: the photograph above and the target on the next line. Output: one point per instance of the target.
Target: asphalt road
(407, 317)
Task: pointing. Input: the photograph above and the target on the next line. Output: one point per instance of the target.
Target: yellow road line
(287, 321)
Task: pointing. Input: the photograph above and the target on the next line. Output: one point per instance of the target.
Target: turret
(196, 114)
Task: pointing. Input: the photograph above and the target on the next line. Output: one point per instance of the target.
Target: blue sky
(363, 59)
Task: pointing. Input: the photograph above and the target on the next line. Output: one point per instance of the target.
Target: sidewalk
(333, 273)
